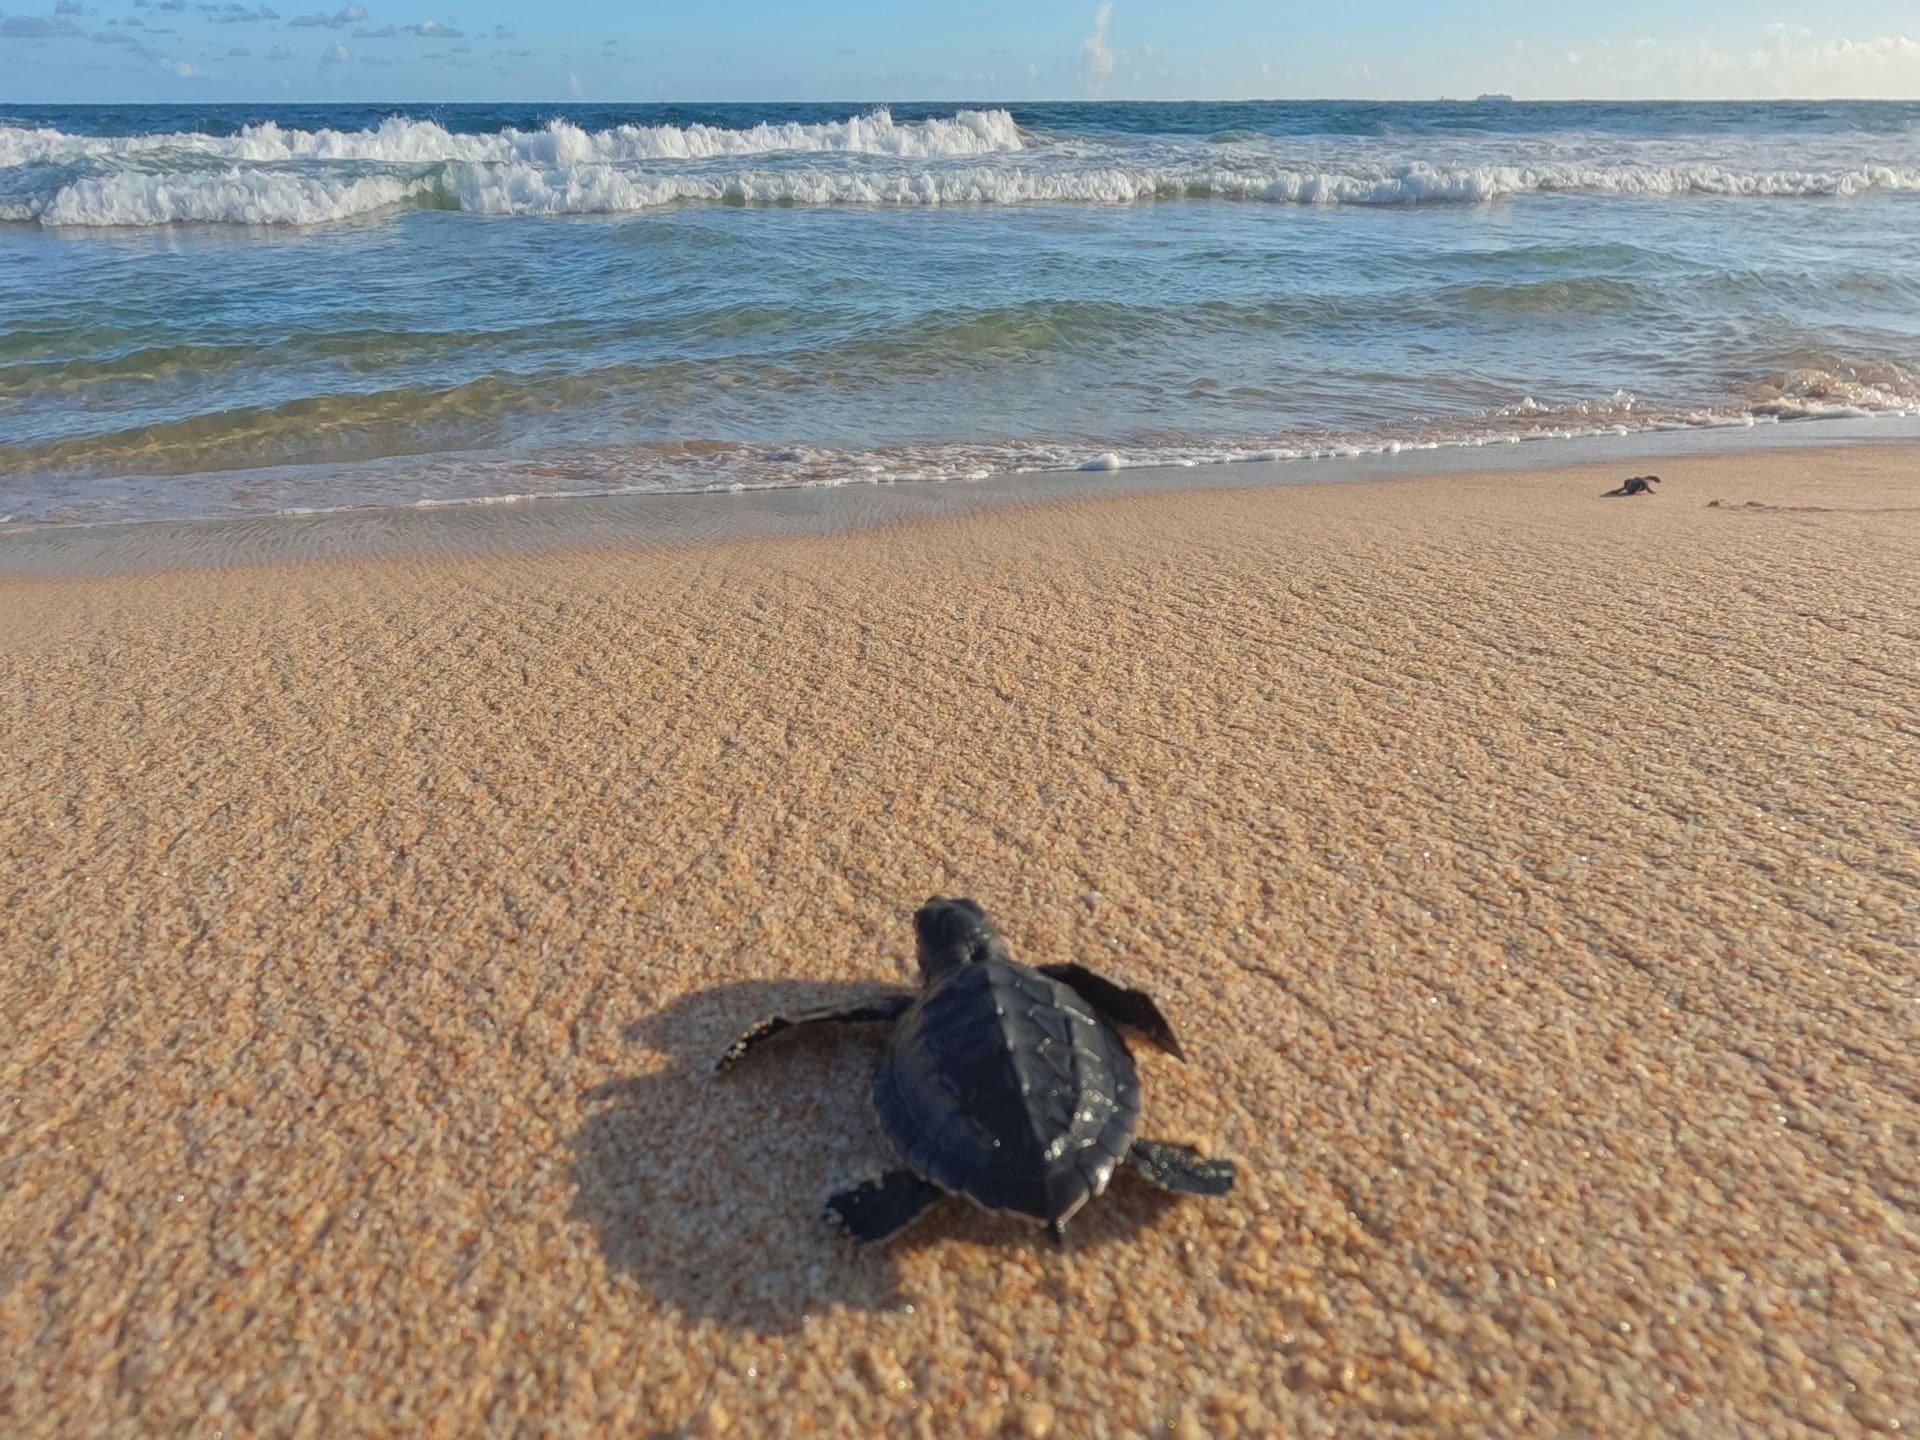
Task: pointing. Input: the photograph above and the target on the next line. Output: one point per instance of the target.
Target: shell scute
(1002, 1085)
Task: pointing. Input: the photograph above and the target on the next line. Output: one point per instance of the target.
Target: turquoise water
(238, 310)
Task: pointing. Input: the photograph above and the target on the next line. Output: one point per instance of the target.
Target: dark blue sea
(226, 310)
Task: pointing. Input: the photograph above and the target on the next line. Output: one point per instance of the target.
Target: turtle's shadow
(706, 1189)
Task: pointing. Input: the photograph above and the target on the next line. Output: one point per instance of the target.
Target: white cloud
(37, 27)
(339, 20)
(335, 54)
(426, 30)
(574, 87)
(177, 67)
(1095, 54)
(1778, 61)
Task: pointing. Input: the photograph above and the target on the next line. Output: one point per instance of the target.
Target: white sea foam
(405, 141)
(1856, 391)
(972, 157)
(262, 196)
(236, 196)
(602, 189)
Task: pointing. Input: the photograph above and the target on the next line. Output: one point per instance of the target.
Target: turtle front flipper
(881, 1209)
(883, 1007)
(1129, 1009)
(1181, 1168)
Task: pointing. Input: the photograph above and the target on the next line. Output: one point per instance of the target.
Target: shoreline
(1529, 877)
(531, 524)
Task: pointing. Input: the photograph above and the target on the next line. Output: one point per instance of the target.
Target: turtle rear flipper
(1181, 1168)
(880, 1209)
(1129, 1009)
(883, 1007)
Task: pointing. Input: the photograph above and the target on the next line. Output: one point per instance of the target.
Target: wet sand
(1534, 880)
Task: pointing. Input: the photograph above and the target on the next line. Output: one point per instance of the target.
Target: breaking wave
(266, 174)
(407, 141)
(525, 190)
(232, 197)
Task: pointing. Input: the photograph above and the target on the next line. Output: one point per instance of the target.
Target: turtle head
(953, 933)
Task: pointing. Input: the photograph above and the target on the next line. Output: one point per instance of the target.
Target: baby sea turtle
(1007, 1084)
(1634, 485)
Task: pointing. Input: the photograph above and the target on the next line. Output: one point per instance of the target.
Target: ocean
(239, 310)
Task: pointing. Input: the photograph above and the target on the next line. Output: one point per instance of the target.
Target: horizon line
(1002, 103)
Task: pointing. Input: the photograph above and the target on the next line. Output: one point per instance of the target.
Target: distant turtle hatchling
(1006, 1084)
(1635, 485)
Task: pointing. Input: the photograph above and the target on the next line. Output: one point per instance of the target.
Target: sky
(224, 51)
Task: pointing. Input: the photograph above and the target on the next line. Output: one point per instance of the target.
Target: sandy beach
(1533, 879)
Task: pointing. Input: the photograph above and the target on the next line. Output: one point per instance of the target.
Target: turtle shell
(1004, 1086)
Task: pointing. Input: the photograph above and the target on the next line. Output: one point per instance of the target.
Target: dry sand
(1534, 880)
